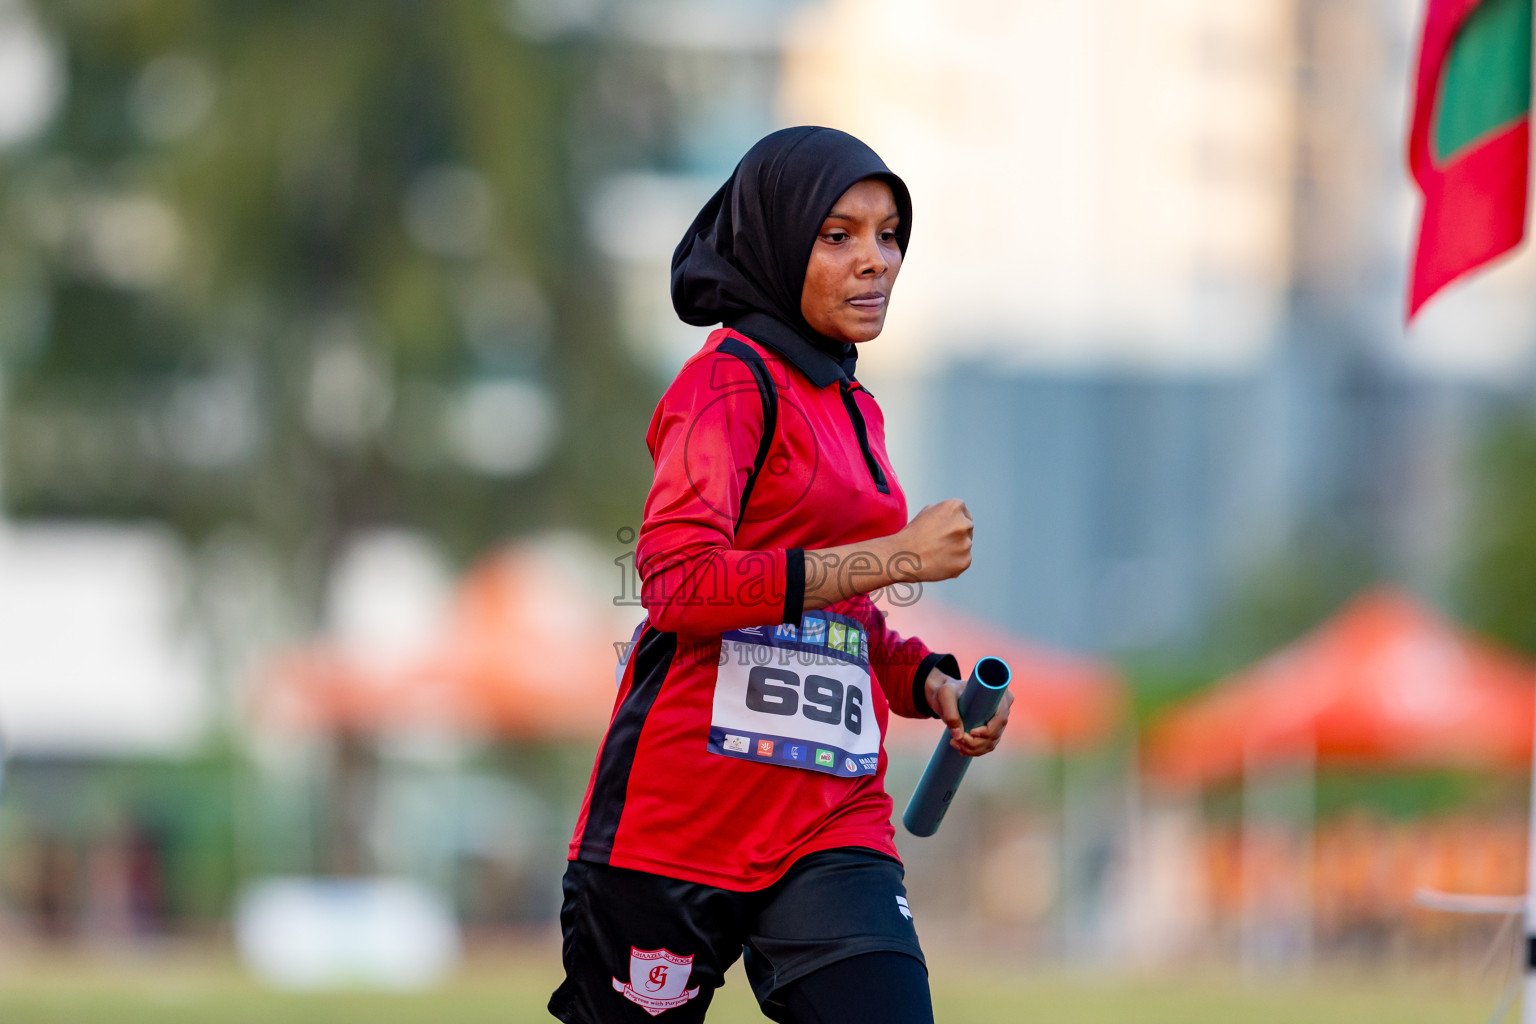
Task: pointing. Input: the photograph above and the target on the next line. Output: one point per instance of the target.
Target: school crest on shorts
(658, 980)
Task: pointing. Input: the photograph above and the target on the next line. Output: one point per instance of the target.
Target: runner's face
(853, 265)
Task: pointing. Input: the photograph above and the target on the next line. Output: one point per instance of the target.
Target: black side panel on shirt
(653, 660)
(770, 396)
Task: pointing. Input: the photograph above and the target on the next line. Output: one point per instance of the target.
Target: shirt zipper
(859, 429)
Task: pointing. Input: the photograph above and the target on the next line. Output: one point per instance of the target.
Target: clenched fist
(940, 538)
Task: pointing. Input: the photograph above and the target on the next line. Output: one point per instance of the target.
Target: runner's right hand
(940, 537)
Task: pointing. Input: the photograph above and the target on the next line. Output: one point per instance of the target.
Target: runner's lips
(868, 300)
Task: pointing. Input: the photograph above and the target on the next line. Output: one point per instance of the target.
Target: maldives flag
(1470, 143)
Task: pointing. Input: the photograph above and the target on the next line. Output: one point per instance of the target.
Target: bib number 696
(773, 691)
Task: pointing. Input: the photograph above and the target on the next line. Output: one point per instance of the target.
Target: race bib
(797, 696)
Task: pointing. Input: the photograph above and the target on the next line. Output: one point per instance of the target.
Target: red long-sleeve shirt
(662, 798)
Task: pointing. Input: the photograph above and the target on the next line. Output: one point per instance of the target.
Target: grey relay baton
(978, 703)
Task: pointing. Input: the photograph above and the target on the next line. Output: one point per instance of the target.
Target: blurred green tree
(306, 267)
(1290, 594)
(1496, 588)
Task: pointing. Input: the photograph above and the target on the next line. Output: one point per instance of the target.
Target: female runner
(738, 803)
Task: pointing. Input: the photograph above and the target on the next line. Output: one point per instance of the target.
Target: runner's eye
(835, 236)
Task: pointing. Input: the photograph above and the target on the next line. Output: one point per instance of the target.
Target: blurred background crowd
(329, 333)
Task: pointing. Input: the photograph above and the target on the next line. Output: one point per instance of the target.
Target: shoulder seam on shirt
(770, 356)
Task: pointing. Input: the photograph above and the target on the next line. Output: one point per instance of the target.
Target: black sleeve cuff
(794, 585)
(946, 662)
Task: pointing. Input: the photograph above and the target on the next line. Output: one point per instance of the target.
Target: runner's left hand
(943, 692)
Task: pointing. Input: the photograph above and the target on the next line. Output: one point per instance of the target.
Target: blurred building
(1163, 300)
(1105, 183)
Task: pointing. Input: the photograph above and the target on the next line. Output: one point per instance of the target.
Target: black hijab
(742, 260)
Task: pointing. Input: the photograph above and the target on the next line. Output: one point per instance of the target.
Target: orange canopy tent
(1385, 682)
(1061, 700)
(527, 650)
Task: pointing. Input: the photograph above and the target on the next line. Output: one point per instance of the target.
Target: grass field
(513, 988)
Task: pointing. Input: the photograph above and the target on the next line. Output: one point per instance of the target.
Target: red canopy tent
(1385, 682)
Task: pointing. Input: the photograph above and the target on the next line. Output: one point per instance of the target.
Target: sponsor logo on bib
(836, 636)
(794, 752)
(824, 757)
(658, 980)
(765, 748)
(738, 744)
(813, 631)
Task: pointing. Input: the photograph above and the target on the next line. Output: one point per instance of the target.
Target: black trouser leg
(873, 988)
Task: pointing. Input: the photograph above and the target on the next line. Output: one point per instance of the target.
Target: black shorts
(639, 945)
